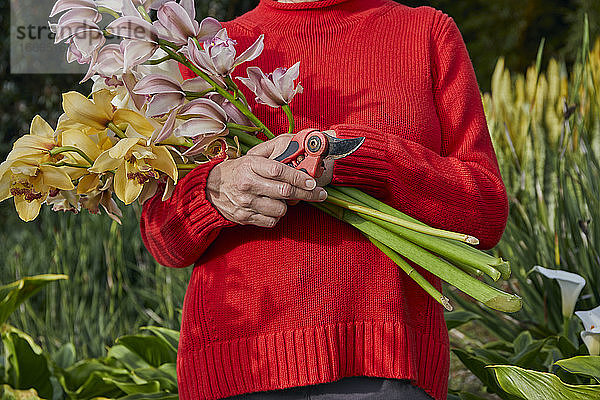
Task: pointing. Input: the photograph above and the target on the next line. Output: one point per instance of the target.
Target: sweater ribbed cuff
(367, 168)
(203, 216)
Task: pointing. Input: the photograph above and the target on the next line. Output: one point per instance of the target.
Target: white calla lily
(570, 287)
(591, 333)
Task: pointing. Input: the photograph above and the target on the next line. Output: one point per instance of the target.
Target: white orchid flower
(570, 287)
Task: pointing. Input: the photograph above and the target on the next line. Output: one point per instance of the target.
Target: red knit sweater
(312, 300)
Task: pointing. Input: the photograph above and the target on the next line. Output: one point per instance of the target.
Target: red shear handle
(306, 152)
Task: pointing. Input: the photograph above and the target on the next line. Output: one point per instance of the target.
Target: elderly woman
(287, 301)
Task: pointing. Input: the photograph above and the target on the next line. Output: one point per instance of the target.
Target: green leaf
(153, 396)
(27, 366)
(165, 375)
(127, 357)
(155, 351)
(170, 336)
(136, 388)
(566, 347)
(455, 319)
(15, 293)
(65, 356)
(582, 365)
(8, 393)
(534, 385)
(77, 375)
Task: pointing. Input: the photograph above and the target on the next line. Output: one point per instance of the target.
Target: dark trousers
(349, 388)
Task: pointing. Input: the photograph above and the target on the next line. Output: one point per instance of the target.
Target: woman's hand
(253, 189)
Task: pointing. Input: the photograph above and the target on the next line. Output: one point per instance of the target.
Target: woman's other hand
(253, 189)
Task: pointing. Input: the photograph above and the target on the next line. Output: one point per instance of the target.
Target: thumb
(262, 149)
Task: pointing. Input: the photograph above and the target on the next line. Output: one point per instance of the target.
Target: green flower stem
(243, 109)
(232, 143)
(64, 149)
(245, 138)
(468, 254)
(65, 164)
(412, 273)
(158, 61)
(197, 95)
(566, 326)
(232, 85)
(120, 134)
(186, 167)
(144, 14)
(288, 113)
(243, 127)
(348, 204)
(423, 239)
(108, 11)
(488, 295)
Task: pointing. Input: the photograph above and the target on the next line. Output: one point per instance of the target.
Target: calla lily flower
(176, 23)
(276, 89)
(591, 334)
(167, 94)
(134, 165)
(217, 57)
(570, 287)
(98, 113)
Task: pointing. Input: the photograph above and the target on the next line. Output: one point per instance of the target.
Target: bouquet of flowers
(144, 127)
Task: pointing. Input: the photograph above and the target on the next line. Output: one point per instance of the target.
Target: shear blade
(340, 148)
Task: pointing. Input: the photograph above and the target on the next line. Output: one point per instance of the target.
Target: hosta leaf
(96, 385)
(534, 385)
(13, 294)
(78, 374)
(8, 393)
(170, 336)
(134, 388)
(153, 396)
(582, 365)
(130, 359)
(155, 351)
(162, 375)
(455, 319)
(65, 356)
(27, 366)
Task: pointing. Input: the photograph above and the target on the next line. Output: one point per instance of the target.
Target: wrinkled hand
(253, 189)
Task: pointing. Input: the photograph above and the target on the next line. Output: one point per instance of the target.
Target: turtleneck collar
(313, 16)
(305, 5)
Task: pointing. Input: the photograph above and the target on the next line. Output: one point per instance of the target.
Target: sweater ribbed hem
(313, 355)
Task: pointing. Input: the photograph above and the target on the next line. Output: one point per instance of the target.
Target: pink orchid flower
(166, 93)
(276, 89)
(140, 39)
(78, 27)
(176, 23)
(218, 56)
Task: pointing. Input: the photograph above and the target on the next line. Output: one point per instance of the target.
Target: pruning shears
(309, 148)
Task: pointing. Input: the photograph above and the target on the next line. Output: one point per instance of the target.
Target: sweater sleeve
(178, 230)
(461, 188)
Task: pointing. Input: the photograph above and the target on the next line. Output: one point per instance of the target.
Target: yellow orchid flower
(99, 112)
(36, 145)
(135, 165)
(30, 184)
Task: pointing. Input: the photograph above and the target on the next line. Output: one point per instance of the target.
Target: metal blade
(340, 148)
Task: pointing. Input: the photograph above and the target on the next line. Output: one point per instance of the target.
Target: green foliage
(534, 385)
(115, 285)
(138, 366)
(546, 132)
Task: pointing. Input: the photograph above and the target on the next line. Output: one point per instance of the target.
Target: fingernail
(311, 184)
(322, 194)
